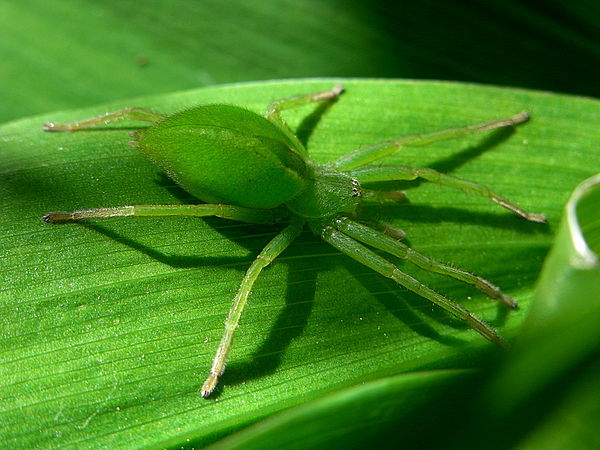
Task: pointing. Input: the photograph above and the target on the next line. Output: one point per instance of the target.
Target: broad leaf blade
(109, 327)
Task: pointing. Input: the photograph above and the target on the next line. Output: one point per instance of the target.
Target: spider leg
(362, 254)
(381, 241)
(403, 173)
(275, 108)
(277, 245)
(103, 119)
(249, 215)
(388, 230)
(366, 155)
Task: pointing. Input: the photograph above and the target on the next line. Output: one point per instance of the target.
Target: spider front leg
(382, 241)
(402, 173)
(366, 155)
(273, 249)
(362, 254)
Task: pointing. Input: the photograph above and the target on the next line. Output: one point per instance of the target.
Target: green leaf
(108, 328)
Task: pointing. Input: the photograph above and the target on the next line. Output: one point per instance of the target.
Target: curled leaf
(562, 327)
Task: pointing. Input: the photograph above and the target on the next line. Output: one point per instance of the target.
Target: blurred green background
(59, 55)
(65, 54)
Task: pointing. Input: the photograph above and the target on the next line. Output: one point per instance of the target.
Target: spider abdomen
(245, 160)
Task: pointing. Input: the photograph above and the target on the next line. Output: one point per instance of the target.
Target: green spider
(254, 169)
